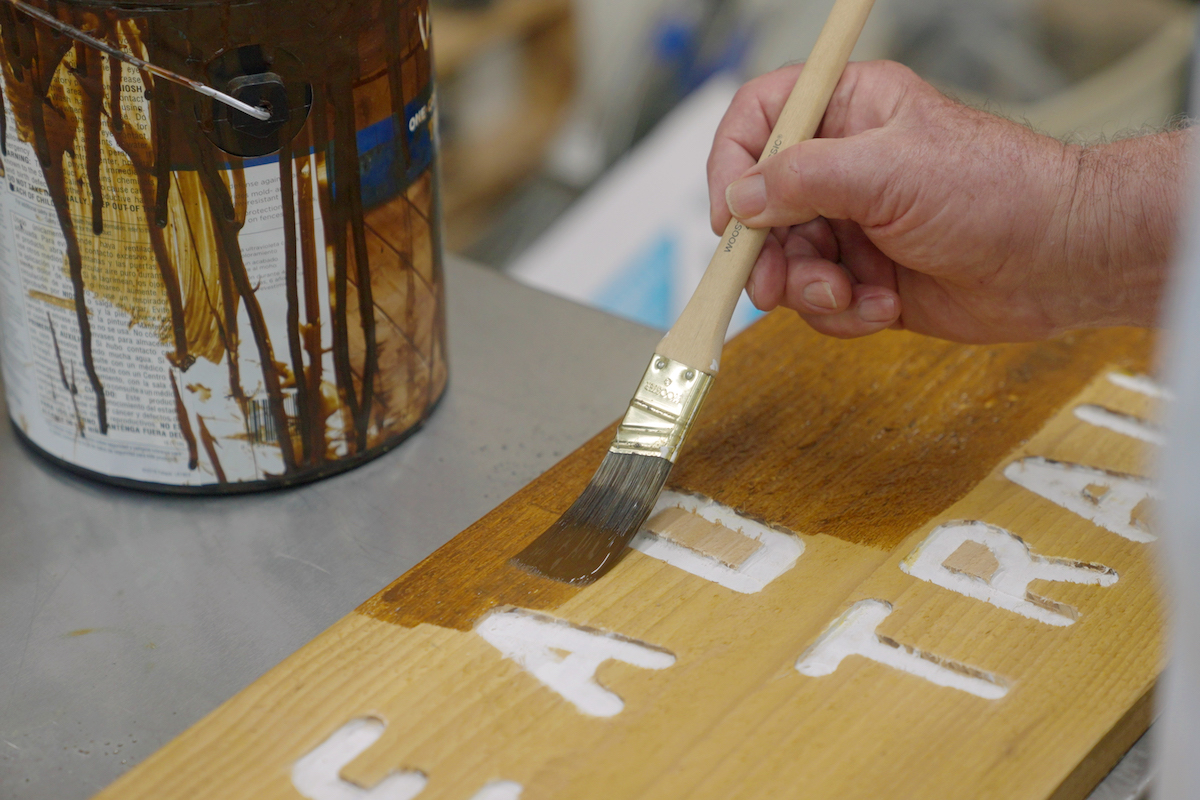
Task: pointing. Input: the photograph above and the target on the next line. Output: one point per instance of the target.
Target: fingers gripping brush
(589, 539)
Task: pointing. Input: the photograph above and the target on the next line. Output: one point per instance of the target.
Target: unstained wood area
(926, 571)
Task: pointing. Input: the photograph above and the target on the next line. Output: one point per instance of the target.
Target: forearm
(1121, 223)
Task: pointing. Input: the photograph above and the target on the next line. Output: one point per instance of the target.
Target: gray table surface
(125, 617)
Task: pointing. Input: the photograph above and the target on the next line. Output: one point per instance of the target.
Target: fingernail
(820, 294)
(746, 196)
(877, 309)
(750, 290)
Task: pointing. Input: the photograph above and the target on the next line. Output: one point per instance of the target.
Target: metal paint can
(193, 302)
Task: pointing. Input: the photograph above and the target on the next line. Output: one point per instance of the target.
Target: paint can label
(224, 320)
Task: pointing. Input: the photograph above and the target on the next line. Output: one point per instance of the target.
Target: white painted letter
(1003, 577)
(853, 633)
(1109, 499)
(531, 640)
(1123, 424)
(499, 790)
(776, 552)
(316, 775)
(1142, 384)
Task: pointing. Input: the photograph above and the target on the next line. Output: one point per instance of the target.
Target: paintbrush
(589, 539)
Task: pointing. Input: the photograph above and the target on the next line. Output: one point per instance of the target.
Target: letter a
(532, 639)
(1003, 579)
(1109, 499)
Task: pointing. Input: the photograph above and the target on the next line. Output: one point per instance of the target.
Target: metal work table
(125, 617)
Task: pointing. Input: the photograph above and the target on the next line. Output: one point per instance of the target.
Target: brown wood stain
(865, 440)
(735, 716)
(862, 440)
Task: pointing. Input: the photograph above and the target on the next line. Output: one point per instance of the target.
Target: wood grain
(829, 436)
(860, 440)
(861, 450)
(707, 538)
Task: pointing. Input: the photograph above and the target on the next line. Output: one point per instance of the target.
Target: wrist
(1120, 217)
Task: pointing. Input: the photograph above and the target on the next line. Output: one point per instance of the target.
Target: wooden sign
(889, 568)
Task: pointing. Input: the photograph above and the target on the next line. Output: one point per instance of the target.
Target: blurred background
(575, 132)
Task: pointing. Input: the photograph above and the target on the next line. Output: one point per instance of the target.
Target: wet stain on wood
(471, 574)
(861, 440)
(865, 440)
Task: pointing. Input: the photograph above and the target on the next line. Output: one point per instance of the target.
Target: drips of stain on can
(70, 385)
(193, 203)
(185, 425)
(210, 448)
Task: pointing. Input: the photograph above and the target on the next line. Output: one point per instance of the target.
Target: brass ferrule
(662, 409)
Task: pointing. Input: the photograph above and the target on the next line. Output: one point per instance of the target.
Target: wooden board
(1017, 661)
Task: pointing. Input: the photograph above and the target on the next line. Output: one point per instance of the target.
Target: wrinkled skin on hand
(910, 210)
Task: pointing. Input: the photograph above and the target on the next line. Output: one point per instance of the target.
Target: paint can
(191, 301)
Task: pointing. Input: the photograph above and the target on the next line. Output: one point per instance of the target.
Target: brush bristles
(589, 539)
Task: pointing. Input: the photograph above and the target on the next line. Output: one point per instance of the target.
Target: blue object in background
(657, 197)
(641, 290)
(645, 289)
(679, 42)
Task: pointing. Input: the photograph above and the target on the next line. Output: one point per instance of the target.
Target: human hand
(910, 210)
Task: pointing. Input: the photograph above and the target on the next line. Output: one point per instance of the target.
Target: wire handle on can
(54, 22)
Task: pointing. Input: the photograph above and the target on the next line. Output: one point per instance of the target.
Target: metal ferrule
(662, 410)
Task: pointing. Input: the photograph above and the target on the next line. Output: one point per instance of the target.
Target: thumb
(832, 178)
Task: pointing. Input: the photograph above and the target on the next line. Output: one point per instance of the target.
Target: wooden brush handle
(698, 335)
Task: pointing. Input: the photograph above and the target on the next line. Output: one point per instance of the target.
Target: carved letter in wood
(533, 639)
(317, 775)
(1111, 500)
(853, 634)
(993, 565)
(499, 790)
(739, 553)
(1124, 424)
